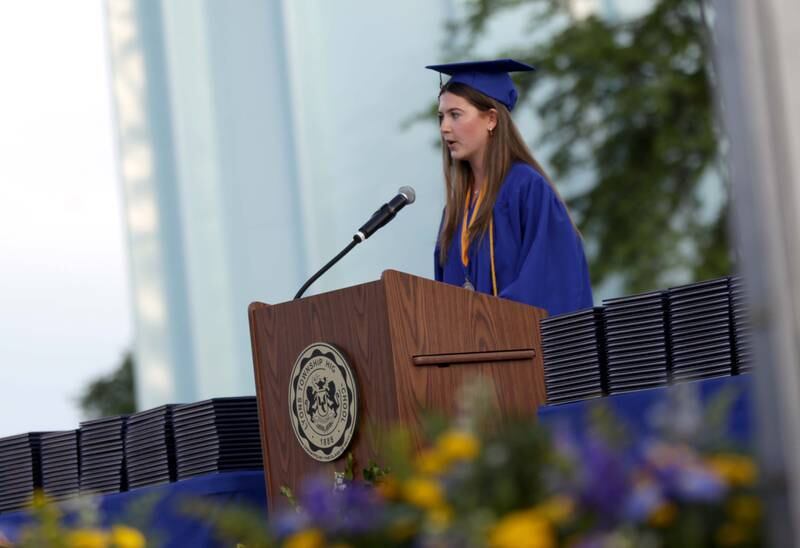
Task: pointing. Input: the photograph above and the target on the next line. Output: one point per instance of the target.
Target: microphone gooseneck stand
(385, 213)
(325, 268)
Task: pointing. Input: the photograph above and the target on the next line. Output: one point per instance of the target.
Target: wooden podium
(411, 342)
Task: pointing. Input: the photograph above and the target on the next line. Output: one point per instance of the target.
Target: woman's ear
(492, 119)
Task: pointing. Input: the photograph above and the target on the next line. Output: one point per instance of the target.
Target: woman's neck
(478, 176)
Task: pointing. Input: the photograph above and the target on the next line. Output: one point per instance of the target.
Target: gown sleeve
(552, 272)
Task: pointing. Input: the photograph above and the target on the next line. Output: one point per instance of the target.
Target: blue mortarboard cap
(489, 77)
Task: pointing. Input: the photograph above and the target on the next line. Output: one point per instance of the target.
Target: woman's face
(464, 128)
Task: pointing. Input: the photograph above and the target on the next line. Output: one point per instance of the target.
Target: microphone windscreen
(408, 192)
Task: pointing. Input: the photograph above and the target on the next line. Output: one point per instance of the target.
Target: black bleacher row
(114, 454)
(683, 333)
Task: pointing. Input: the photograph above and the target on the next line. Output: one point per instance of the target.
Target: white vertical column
(163, 347)
(757, 48)
(193, 116)
(308, 77)
(257, 161)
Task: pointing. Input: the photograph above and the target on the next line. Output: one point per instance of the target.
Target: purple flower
(353, 509)
(564, 441)
(680, 474)
(289, 522)
(695, 484)
(643, 500)
(605, 483)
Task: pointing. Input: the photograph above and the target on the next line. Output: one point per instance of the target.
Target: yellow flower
(731, 534)
(87, 538)
(40, 500)
(127, 537)
(424, 493)
(456, 445)
(310, 538)
(745, 508)
(430, 462)
(663, 515)
(556, 509)
(388, 488)
(736, 470)
(440, 517)
(526, 529)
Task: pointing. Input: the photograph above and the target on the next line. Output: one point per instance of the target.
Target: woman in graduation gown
(505, 230)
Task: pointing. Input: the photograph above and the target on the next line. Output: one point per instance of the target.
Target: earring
(490, 132)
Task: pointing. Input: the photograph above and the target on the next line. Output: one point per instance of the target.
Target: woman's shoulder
(522, 178)
(522, 169)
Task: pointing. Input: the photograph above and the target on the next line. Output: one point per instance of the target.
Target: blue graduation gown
(539, 258)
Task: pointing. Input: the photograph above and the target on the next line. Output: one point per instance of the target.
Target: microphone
(405, 196)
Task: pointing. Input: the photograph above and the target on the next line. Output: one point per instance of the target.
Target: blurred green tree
(627, 115)
(112, 394)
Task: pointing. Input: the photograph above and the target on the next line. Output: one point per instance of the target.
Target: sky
(65, 314)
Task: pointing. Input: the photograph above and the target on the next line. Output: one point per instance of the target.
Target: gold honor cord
(465, 236)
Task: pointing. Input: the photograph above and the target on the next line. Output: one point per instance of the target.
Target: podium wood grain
(412, 344)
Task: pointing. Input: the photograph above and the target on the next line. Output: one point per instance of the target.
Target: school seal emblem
(323, 401)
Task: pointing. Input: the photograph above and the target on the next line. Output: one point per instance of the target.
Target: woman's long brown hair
(504, 147)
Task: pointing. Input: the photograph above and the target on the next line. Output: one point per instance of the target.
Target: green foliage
(371, 474)
(243, 523)
(288, 494)
(48, 530)
(626, 108)
(496, 481)
(375, 474)
(113, 394)
(349, 469)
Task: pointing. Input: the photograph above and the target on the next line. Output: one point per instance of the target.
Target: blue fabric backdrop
(638, 409)
(160, 510)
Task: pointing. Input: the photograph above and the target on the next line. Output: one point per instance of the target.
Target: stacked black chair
(574, 367)
(636, 344)
(150, 447)
(217, 435)
(20, 470)
(102, 455)
(61, 464)
(741, 326)
(700, 330)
